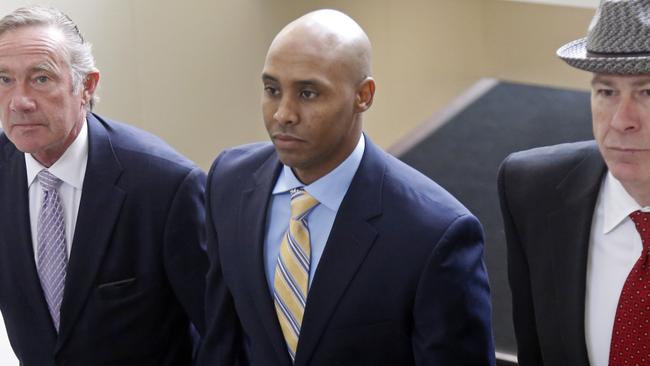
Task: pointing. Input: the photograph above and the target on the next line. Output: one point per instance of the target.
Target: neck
(310, 174)
(640, 192)
(49, 156)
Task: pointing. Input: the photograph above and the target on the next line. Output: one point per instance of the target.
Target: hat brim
(575, 54)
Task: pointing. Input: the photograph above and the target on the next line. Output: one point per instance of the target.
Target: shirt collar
(617, 204)
(330, 189)
(71, 166)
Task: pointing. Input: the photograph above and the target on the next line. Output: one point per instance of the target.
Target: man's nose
(286, 112)
(627, 117)
(21, 101)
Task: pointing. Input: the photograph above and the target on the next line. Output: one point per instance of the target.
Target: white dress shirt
(71, 169)
(614, 247)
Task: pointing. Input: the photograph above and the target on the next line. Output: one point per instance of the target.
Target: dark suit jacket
(136, 270)
(401, 281)
(548, 197)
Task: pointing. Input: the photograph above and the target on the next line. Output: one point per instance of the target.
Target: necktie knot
(48, 180)
(301, 203)
(642, 222)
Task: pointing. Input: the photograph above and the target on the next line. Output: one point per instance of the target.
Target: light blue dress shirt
(329, 190)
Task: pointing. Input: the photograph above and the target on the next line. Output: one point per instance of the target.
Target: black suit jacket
(135, 277)
(401, 281)
(548, 196)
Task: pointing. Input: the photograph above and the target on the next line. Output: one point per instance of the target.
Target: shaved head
(333, 35)
(317, 85)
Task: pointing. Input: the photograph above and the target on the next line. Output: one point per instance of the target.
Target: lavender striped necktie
(51, 256)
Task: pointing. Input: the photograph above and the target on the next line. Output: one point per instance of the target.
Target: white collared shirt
(614, 247)
(71, 169)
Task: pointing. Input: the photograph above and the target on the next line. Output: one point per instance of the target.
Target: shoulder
(137, 148)
(420, 215)
(415, 196)
(533, 172)
(403, 179)
(546, 163)
(243, 159)
(549, 159)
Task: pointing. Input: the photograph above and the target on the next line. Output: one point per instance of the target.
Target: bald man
(325, 250)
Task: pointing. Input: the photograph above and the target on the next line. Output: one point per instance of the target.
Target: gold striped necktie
(291, 280)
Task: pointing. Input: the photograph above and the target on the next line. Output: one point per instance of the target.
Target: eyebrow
(306, 82)
(310, 82)
(642, 82)
(600, 80)
(43, 67)
(637, 83)
(267, 77)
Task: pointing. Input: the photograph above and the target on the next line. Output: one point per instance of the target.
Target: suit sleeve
(184, 249)
(528, 349)
(452, 311)
(223, 343)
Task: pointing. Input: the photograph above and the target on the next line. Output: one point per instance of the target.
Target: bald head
(317, 85)
(332, 35)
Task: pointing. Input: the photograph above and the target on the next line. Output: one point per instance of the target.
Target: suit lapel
(349, 241)
(17, 231)
(101, 201)
(252, 227)
(568, 233)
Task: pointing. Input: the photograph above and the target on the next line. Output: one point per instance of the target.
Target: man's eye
(5, 80)
(41, 79)
(605, 92)
(271, 90)
(308, 94)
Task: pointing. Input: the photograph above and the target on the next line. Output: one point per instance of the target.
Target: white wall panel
(577, 3)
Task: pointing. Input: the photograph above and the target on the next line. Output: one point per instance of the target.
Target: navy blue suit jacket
(401, 281)
(548, 196)
(135, 278)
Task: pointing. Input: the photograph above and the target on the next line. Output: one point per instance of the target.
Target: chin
(629, 173)
(288, 159)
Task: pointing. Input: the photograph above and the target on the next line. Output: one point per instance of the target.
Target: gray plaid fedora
(617, 42)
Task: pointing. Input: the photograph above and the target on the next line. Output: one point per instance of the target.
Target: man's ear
(89, 86)
(365, 95)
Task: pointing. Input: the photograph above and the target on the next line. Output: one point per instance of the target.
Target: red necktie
(631, 333)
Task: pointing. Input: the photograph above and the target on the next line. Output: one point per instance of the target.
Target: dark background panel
(463, 156)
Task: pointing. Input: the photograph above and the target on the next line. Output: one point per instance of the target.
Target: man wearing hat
(577, 216)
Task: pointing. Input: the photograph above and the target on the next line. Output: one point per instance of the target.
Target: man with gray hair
(101, 224)
(577, 215)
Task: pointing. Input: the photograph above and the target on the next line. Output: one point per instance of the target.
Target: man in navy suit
(379, 266)
(101, 224)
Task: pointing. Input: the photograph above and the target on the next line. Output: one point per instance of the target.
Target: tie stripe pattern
(291, 279)
(51, 253)
(631, 333)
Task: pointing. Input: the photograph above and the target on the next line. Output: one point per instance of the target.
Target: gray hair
(78, 52)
